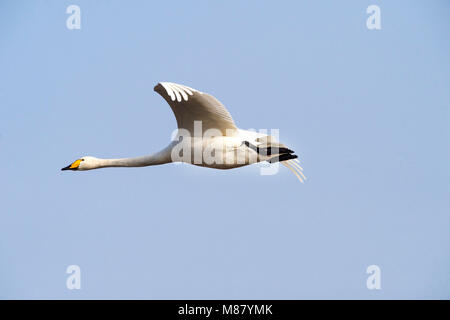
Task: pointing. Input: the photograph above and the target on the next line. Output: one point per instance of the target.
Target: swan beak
(73, 166)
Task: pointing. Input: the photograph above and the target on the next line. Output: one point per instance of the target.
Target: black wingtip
(155, 88)
(282, 157)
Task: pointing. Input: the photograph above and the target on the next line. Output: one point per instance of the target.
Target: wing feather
(191, 105)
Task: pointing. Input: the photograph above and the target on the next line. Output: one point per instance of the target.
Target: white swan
(206, 136)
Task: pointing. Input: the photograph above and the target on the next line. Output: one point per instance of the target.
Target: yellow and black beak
(73, 166)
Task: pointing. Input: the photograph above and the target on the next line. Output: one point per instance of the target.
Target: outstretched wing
(191, 105)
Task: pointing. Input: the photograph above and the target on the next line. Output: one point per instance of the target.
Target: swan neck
(158, 158)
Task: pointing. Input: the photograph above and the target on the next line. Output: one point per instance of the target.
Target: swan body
(207, 136)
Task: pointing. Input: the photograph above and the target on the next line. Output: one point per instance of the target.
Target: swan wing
(191, 105)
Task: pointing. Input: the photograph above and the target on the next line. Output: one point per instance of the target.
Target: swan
(206, 136)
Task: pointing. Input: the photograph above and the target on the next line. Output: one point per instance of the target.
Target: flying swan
(207, 136)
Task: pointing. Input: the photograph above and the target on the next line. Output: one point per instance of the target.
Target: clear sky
(367, 111)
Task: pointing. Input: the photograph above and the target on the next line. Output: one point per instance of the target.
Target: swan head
(83, 163)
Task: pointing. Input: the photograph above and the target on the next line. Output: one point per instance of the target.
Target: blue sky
(366, 110)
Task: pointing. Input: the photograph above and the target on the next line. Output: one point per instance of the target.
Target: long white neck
(161, 157)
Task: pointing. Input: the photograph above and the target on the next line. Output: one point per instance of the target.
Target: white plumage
(204, 127)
